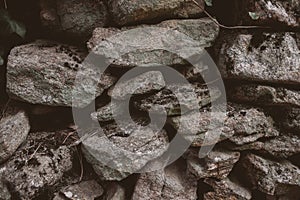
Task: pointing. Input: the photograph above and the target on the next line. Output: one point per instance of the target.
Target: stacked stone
(256, 152)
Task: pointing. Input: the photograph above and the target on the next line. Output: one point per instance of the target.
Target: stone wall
(44, 154)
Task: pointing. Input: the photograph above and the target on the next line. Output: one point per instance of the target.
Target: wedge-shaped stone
(271, 177)
(131, 12)
(264, 57)
(44, 72)
(168, 43)
(170, 183)
(217, 164)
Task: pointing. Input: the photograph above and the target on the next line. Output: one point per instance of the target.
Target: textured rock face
(226, 189)
(153, 44)
(127, 149)
(241, 125)
(14, 128)
(171, 183)
(48, 71)
(115, 192)
(217, 164)
(265, 95)
(108, 112)
(131, 12)
(38, 164)
(271, 12)
(271, 177)
(4, 193)
(291, 120)
(73, 17)
(177, 99)
(263, 57)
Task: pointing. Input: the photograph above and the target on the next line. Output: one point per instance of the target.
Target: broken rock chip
(226, 189)
(39, 164)
(145, 83)
(217, 164)
(271, 12)
(171, 183)
(239, 124)
(73, 17)
(271, 177)
(263, 57)
(123, 149)
(167, 43)
(131, 12)
(44, 72)
(14, 128)
(87, 190)
(178, 99)
(265, 95)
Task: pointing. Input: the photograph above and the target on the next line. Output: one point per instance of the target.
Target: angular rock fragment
(73, 17)
(178, 99)
(263, 57)
(45, 72)
(4, 193)
(281, 146)
(271, 177)
(87, 190)
(170, 183)
(271, 12)
(108, 112)
(145, 83)
(217, 164)
(38, 165)
(265, 95)
(115, 192)
(227, 189)
(130, 12)
(124, 148)
(14, 128)
(150, 45)
(241, 125)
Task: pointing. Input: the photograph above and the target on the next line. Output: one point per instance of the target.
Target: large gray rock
(165, 43)
(178, 99)
(263, 57)
(14, 128)
(44, 72)
(226, 189)
(270, 12)
(271, 177)
(265, 95)
(38, 165)
(217, 164)
(280, 146)
(123, 149)
(170, 183)
(131, 12)
(73, 17)
(241, 125)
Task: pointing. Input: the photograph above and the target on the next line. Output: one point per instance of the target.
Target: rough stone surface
(241, 125)
(217, 164)
(39, 163)
(171, 183)
(269, 176)
(227, 189)
(145, 83)
(73, 17)
(127, 148)
(87, 190)
(4, 193)
(290, 119)
(108, 112)
(154, 44)
(115, 192)
(190, 97)
(271, 12)
(48, 71)
(265, 95)
(264, 57)
(129, 12)
(14, 128)
(280, 146)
